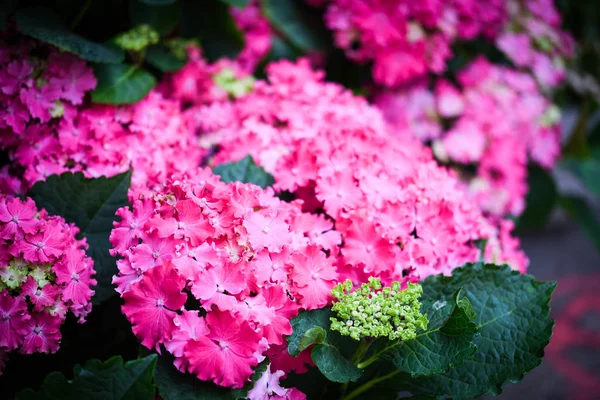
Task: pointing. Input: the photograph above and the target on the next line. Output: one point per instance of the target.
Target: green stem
(369, 385)
(80, 14)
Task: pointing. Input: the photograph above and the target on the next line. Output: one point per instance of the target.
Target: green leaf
(578, 209)
(161, 58)
(158, 2)
(541, 198)
(297, 22)
(450, 338)
(587, 170)
(237, 3)
(512, 317)
(577, 146)
(303, 329)
(245, 171)
(91, 205)
(162, 17)
(175, 385)
(6, 9)
(121, 83)
(95, 380)
(312, 328)
(211, 22)
(43, 24)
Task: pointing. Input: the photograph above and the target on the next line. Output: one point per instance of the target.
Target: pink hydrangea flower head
(44, 274)
(396, 213)
(497, 120)
(239, 274)
(407, 39)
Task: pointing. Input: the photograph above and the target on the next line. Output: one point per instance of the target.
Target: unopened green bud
(137, 38)
(374, 311)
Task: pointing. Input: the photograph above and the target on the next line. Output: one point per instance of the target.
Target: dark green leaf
(512, 318)
(91, 205)
(578, 209)
(577, 146)
(587, 170)
(450, 338)
(43, 24)
(162, 17)
(245, 171)
(297, 22)
(312, 328)
(6, 9)
(95, 380)
(540, 200)
(333, 364)
(121, 83)
(237, 3)
(158, 2)
(303, 329)
(211, 22)
(174, 385)
(161, 58)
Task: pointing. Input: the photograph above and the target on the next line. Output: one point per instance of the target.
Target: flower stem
(369, 385)
(77, 19)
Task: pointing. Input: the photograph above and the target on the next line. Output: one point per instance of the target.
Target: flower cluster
(137, 38)
(406, 39)
(497, 120)
(373, 311)
(155, 136)
(400, 216)
(215, 271)
(532, 39)
(44, 273)
(35, 89)
(257, 35)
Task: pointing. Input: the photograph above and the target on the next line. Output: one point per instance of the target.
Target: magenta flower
(151, 304)
(226, 354)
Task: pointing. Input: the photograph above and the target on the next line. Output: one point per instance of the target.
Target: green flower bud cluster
(373, 311)
(227, 81)
(16, 272)
(137, 38)
(178, 46)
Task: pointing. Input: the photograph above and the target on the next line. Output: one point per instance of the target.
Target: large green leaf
(211, 22)
(91, 205)
(297, 22)
(312, 328)
(237, 3)
(175, 385)
(158, 2)
(43, 24)
(95, 380)
(450, 338)
(245, 171)
(540, 200)
(512, 318)
(121, 83)
(6, 9)
(587, 170)
(162, 17)
(161, 58)
(578, 209)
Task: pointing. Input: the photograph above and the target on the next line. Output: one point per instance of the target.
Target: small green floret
(178, 46)
(137, 38)
(233, 85)
(374, 311)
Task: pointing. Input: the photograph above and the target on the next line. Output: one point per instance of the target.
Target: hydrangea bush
(262, 232)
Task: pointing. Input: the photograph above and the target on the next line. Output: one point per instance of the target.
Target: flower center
(266, 229)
